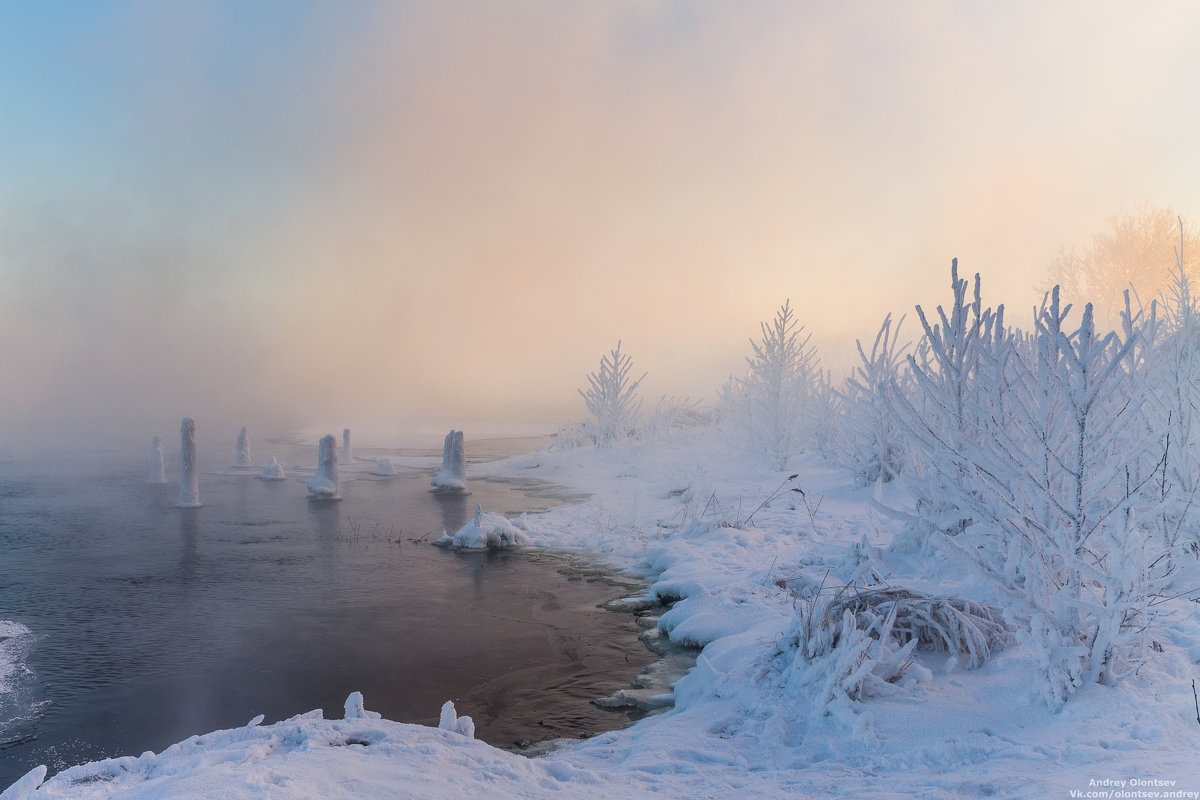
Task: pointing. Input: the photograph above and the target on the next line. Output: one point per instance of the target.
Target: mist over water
(153, 623)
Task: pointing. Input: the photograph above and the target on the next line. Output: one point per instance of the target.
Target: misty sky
(373, 212)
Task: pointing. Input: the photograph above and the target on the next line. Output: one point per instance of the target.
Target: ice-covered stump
(384, 466)
(189, 486)
(158, 467)
(453, 476)
(243, 449)
(324, 485)
(487, 531)
(347, 453)
(273, 471)
(451, 721)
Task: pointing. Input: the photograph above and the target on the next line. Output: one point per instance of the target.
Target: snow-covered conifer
(612, 398)
(769, 405)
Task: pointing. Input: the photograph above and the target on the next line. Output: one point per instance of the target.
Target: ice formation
(189, 486)
(453, 476)
(158, 469)
(384, 466)
(451, 721)
(347, 453)
(486, 531)
(354, 708)
(273, 471)
(243, 449)
(324, 485)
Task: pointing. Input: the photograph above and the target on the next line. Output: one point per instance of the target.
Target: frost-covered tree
(1135, 249)
(870, 443)
(940, 414)
(768, 407)
(612, 398)
(1033, 462)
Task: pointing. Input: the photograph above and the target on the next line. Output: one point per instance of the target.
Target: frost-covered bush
(612, 398)
(767, 409)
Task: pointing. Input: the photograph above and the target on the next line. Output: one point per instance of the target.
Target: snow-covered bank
(741, 552)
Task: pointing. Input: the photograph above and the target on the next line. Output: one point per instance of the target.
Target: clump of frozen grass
(860, 644)
(830, 646)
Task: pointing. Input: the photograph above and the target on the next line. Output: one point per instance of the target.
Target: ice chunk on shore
(485, 532)
(189, 486)
(158, 467)
(384, 466)
(347, 453)
(26, 786)
(354, 708)
(453, 476)
(324, 485)
(451, 721)
(243, 449)
(273, 471)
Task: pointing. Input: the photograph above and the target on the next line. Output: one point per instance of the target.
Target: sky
(280, 213)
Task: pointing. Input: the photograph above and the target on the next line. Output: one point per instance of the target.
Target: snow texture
(243, 450)
(189, 486)
(453, 475)
(158, 467)
(324, 484)
(272, 470)
(487, 531)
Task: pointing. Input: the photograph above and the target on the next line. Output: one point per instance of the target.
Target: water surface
(153, 623)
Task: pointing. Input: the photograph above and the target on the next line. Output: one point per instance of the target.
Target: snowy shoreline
(747, 720)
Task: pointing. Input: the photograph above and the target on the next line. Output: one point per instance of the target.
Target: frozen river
(151, 623)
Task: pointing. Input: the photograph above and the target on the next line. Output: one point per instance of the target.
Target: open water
(152, 623)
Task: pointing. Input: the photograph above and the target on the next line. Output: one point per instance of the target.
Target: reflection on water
(154, 623)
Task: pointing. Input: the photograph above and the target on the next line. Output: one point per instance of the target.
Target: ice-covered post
(453, 475)
(324, 485)
(347, 453)
(243, 449)
(158, 469)
(189, 486)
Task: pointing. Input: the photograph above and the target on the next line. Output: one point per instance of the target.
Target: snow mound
(308, 756)
(487, 531)
(273, 470)
(384, 466)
